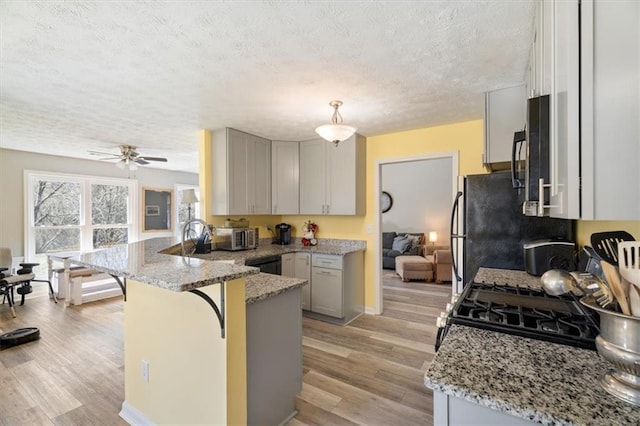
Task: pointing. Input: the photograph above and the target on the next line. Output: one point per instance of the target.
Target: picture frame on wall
(152, 211)
(157, 213)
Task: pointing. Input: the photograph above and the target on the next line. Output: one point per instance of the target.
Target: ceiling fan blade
(144, 157)
(104, 153)
(141, 161)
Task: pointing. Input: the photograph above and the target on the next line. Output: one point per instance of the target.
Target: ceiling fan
(128, 156)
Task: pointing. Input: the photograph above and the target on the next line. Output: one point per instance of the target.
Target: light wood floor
(369, 372)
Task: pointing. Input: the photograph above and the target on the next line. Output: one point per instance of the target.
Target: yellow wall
(587, 227)
(195, 376)
(467, 138)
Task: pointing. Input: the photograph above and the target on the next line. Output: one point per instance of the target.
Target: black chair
(21, 281)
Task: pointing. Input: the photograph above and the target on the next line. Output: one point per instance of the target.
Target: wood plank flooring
(369, 372)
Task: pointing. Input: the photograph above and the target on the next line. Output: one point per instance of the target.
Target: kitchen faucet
(186, 229)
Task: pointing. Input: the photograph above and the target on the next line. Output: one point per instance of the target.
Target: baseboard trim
(370, 311)
(133, 416)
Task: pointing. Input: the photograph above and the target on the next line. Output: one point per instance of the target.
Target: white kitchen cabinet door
(241, 173)
(595, 110)
(332, 179)
(345, 194)
(313, 176)
(563, 195)
(610, 110)
(505, 114)
(326, 292)
(259, 172)
(288, 265)
(239, 179)
(303, 271)
(285, 181)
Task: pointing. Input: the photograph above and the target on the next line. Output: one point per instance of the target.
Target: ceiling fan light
(335, 133)
(120, 164)
(133, 165)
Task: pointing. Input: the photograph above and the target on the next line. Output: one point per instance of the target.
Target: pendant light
(335, 132)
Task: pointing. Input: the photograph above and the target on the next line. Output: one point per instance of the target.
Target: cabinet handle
(323, 209)
(541, 205)
(328, 208)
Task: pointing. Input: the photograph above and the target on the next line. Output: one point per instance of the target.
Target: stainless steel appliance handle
(454, 211)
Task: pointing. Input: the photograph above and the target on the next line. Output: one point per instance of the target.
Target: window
(77, 213)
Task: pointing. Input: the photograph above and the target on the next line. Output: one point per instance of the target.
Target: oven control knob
(449, 307)
(454, 298)
(442, 320)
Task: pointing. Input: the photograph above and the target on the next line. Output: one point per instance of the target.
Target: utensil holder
(619, 344)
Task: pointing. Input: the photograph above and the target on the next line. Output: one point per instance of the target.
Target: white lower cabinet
(451, 410)
(327, 291)
(335, 292)
(298, 265)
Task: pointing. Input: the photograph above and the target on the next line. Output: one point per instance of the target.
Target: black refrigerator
(488, 228)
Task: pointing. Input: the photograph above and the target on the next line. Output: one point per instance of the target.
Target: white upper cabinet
(285, 182)
(595, 110)
(504, 114)
(332, 179)
(539, 70)
(241, 173)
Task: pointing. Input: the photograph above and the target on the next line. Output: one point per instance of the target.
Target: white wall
(421, 192)
(13, 164)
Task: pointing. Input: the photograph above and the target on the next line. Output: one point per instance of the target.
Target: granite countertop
(265, 248)
(142, 261)
(532, 379)
(263, 286)
(507, 277)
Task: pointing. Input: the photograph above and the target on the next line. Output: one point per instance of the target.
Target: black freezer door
(495, 227)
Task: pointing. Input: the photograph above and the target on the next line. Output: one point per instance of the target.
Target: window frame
(85, 226)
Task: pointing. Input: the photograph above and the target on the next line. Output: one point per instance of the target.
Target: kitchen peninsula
(187, 361)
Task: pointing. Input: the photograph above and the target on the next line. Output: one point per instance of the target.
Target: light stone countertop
(263, 286)
(507, 277)
(536, 380)
(142, 261)
(148, 262)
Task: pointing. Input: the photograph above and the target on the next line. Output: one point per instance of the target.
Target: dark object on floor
(18, 337)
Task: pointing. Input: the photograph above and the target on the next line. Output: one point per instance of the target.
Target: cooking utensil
(606, 244)
(557, 282)
(629, 261)
(634, 300)
(616, 286)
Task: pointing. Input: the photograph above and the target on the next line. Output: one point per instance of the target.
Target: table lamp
(189, 197)
(433, 237)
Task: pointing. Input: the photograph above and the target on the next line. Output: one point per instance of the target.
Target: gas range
(521, 310)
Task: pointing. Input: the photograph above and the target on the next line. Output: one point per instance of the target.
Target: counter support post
(219, 312)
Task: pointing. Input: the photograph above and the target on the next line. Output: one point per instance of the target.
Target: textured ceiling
(92, 75)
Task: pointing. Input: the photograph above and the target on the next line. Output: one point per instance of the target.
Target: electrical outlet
(145, 371)
(369, 229)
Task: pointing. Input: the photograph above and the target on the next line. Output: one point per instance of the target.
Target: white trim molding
(134, 416)
(453, 155)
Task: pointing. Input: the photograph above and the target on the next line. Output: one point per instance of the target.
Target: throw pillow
(401, 243)
(416, 240)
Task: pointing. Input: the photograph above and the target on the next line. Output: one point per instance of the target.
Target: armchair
(440, 256)
(22, 279)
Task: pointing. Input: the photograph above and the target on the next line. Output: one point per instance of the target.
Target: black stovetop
(527, 312)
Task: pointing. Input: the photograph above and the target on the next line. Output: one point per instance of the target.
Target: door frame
(453, 155)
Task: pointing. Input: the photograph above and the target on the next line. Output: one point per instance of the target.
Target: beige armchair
(440, 257)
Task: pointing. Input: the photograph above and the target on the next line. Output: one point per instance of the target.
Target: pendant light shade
(335, 132)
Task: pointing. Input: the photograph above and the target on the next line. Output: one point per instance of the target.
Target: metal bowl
(619, 343)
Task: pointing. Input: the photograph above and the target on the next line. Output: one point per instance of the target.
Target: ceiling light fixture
(335, 132)
(125, 162)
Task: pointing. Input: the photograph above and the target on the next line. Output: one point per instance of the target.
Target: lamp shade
(188, 196)
(335, 132)
(433, 237)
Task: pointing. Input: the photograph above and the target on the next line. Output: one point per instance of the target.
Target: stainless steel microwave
(236, 238)
(530, 155)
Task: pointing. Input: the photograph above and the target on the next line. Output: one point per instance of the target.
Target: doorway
(417, 190)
